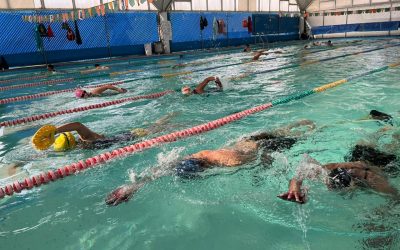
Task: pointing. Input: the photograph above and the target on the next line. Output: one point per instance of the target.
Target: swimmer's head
(339, 178)
(80, 93)
(140, 132)
(97, 65)
(330, 43)
(189, 168)
(64, 142)
(186, 90)
(377, 115)
(50, 67)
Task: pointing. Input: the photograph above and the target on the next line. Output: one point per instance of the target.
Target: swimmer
(377, 115)
(258, 54)
(97, 67)
(50, 68)
(80, 93)
(200, 88)
(329, 43)
(367, 167)
(242, 152)
(247, 48)
(89, 139)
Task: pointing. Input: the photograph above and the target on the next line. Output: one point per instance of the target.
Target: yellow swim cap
(64, 141)
(140, 132)
(44, 137)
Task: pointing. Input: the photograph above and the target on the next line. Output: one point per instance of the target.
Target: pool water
(233, 208)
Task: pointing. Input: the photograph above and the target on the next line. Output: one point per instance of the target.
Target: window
(199, 4)
(58, 4)
(214, 5)
(228, 5)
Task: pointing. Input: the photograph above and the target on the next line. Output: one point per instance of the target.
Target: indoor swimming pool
(224, 208)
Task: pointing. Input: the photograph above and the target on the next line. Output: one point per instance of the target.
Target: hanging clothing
(65, 26)
(215, 28)
(50, 32)
(203, 22)
(70, 35)
(42, 30)
(249, 25)
(77, 34)
(38, 38)
(221, 26)
(3, 63)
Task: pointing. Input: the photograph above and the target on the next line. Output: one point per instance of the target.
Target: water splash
(165, 163)
(301, 214)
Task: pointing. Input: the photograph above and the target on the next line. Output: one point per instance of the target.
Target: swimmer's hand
(295, 193)
(122, 90)
(122, 194)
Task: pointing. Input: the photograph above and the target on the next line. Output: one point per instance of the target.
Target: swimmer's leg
(374, 156)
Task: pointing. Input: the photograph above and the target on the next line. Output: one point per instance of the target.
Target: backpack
(70, 35)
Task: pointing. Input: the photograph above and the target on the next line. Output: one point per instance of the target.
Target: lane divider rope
(22, 79)
(68, 170)
(34, 84)
(33, 118)
(43, 94)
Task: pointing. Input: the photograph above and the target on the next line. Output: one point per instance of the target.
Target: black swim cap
(189, 168)
(375, 114)
(372, 155)
(339, 178)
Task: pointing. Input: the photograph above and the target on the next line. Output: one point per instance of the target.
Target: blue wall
(187, 34)
(125, 33)
(113, 35)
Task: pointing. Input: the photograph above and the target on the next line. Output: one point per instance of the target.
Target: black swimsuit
(107, 142)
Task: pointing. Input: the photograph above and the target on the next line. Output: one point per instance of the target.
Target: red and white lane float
(33, 118)
(44, 94)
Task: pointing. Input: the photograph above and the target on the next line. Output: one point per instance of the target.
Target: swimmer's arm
(311, 170)
(200, 88)
(161, 123)
(84, 132)
(99, 90)
(286, 131)
(125, 192)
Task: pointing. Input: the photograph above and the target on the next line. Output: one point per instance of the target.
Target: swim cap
(140, 132)
(64, 141)
(189, 167)
(44, 137)
(339, 178)
(79, 93)
(375, 114)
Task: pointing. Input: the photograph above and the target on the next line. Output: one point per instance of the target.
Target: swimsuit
(107, 142)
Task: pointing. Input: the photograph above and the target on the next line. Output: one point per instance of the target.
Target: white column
(165, 31)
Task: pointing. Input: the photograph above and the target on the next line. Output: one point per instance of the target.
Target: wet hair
(367, 153)
(271, 142)
(97, 65)
(247, 45)
(377, 115)
(50, 66)
(339, 178)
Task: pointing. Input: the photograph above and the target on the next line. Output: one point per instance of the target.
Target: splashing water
(165, 163)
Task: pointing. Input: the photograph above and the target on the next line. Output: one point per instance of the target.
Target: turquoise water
(228, 208)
